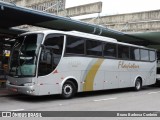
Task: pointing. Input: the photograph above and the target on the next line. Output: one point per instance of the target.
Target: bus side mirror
(46, 52)
(42, 46)
(43, 53)
(45, 56)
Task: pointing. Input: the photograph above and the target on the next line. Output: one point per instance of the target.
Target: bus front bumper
(29, 90)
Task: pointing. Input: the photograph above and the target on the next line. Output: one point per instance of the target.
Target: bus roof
(85, 35)
(75, 33)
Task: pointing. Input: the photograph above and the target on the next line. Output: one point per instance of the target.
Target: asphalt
(4, 92)
(109, 100)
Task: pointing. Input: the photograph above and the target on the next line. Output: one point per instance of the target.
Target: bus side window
(51, 54)
(152, 55)
(110, 50)
(94, 48)
(144, 55)
(75, 45)
(123, 52)
(45, 65)
(134, 53)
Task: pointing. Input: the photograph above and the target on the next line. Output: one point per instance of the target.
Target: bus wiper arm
(19, 56)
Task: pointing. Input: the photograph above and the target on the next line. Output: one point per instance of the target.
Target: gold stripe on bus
(89, 79)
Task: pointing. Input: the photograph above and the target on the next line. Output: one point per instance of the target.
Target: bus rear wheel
(138, 84)
(68, 90)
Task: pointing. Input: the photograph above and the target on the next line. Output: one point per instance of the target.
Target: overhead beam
(29, 3)
(135, 26)
(128, 17)
(73, 11)
(82, 10)
(130, 22)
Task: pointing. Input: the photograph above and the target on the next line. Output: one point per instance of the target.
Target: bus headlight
(29, 84)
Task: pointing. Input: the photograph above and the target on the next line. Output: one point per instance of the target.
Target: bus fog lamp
(30, 91)
(28, 84)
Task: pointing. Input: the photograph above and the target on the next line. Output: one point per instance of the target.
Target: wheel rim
(138, 85)
(68, 89)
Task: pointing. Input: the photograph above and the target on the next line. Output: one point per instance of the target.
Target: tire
(68, 90)
(138, 84)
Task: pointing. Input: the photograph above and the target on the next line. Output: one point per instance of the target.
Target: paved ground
(148, 99)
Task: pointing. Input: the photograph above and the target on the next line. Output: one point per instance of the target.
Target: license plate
(13, 89)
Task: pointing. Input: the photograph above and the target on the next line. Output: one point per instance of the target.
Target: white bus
(59, 62)
(158, 68)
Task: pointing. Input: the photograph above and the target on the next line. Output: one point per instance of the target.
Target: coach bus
(59, 62)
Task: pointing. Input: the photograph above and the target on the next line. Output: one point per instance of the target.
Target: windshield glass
(24, 55)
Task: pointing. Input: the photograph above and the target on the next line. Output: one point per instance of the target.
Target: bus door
(49, 59)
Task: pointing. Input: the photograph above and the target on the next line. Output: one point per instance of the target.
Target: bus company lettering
(122, 64)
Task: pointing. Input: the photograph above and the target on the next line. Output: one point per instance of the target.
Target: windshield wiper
(19, 52)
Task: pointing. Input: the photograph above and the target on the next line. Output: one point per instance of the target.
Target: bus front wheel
(138, 84)
(68, 90)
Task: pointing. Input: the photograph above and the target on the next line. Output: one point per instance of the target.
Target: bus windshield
(24, 55)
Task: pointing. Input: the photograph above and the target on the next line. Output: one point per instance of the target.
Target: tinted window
(50, 54)
(123, 52)
(152, 55)
(93, 48)
(110, 50)
(134, 54)
(75, 45)
(144, 55)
